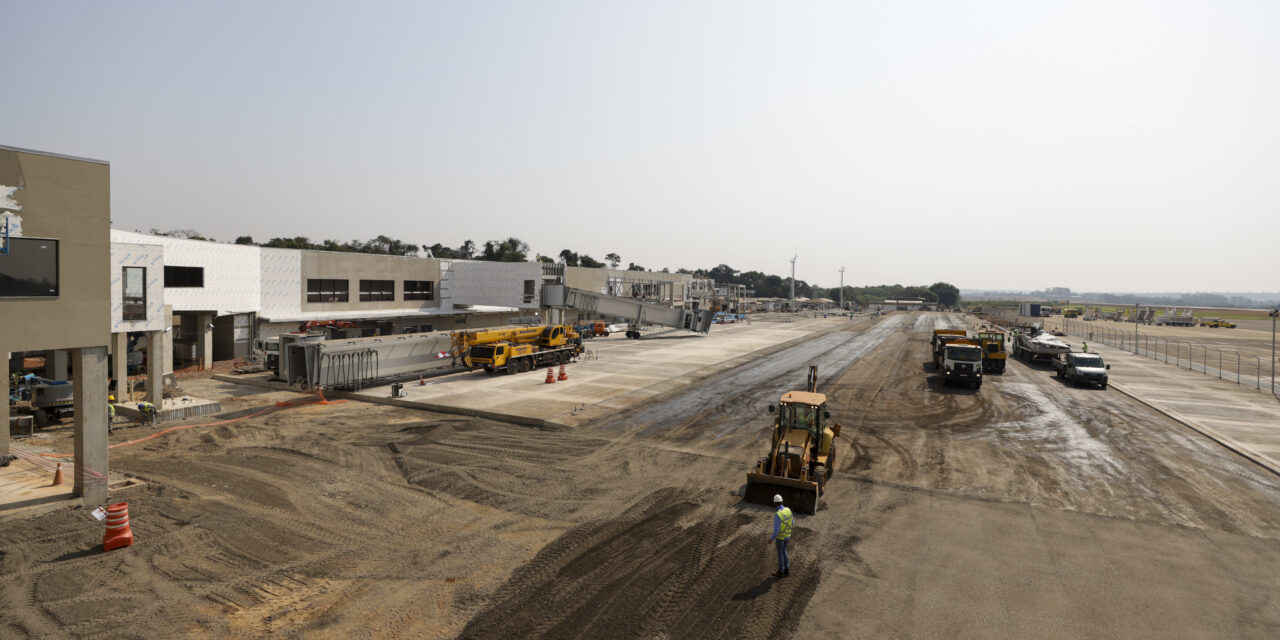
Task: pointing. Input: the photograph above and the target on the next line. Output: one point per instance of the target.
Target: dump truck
(993, 353)
(517, 349)
(1072, 312)
(1215, 323)
(940, 339)
(1081, 368)
(960, 360)
(802, 451)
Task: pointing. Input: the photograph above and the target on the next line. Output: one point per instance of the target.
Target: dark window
(183, 276)
(134, 285)
(327, 290)
(528, 291)
(29, 268)
(377, 290)
(419, 290)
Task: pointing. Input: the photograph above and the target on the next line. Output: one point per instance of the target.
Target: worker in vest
(148, 410)
(111, 412)
(782, 523)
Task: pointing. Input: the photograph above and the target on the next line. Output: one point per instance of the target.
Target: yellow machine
(802, 453)
(1215, 323)
(516, 349)
(1072, 312)
(993, 353)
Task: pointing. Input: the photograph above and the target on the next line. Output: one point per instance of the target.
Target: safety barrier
(1150, 348)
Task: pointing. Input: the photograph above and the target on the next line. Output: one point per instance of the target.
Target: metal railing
(1149, 346)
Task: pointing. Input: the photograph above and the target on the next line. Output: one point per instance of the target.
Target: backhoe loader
(802, 453)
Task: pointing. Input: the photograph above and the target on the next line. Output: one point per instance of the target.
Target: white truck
(1082, 368)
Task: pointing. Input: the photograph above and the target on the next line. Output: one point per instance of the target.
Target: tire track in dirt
(677, 564)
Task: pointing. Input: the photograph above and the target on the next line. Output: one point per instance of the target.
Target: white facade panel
(281, 277)
(232, 283)
(151, 258)
(497, 284)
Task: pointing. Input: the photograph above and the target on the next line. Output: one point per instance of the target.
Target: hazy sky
(1094, 145)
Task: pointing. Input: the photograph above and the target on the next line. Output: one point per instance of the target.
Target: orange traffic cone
(118, 533)
(563, 375)
(551, 375)
(57, 475)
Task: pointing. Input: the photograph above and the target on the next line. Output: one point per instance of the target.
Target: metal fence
(1184, 354)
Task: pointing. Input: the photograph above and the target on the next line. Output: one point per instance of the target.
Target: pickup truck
(1082, 368)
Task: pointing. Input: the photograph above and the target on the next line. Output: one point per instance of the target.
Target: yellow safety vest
(784, 531)
(111, 410)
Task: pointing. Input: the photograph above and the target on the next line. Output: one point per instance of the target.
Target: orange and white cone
(551, 375)
(563, 375)
(57, 475)
(118, 533)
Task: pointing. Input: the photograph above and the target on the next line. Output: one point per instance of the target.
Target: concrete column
(204, 339)
(156, 357)
(166, 353)
(120, 365)
(91, 424)
(4, 412)
(55, 364)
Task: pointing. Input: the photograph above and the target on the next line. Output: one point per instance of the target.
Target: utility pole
(842, 288)
(792, 299)
(1136, 313)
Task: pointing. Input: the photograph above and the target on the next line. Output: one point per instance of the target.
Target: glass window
(377, 290)
(183, 276)
(29, 268)
(326, 290)
(134, 284)
(419, 290)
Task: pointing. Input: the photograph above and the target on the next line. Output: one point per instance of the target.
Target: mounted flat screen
(29, 269)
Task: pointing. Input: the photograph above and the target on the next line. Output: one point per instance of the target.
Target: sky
(1101, 146)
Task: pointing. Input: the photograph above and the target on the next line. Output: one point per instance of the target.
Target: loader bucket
(800, 495)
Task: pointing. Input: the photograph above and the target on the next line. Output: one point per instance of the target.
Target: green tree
(570, 258)
(613, 259)
(509, 250)
(244, 240)
(947, 294)
(631, 266)
(585, 260)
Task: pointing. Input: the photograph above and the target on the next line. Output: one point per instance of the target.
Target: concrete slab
(25, 487)
(597, 384)
(1239, 417)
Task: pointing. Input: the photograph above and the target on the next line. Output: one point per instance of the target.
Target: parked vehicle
(1081, 368)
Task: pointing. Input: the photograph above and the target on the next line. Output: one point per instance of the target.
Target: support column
(4, 411)
(166, 354)
(55, 364)
(156, 356)
(204, 339)
(120, 365)
(91, 425)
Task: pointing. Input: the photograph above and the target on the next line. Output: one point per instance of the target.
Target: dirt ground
(1025, 509)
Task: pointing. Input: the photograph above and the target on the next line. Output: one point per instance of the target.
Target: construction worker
(782, 523)
(1086, 347)
(111, 412)
(148, 410)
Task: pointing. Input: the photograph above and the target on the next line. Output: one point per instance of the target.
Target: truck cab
(962, 362)
(1082, 368)
(994, 356)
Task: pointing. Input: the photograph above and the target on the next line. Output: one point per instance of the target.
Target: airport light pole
(842, 288)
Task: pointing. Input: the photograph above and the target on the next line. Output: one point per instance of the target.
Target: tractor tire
(41, 418)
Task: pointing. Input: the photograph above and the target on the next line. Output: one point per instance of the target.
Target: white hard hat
(777, 498)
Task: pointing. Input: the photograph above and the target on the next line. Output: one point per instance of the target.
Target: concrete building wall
(281, 274)
(232, 278)
(494, 284)
(354, 267)
(150, 257)
(68, 200)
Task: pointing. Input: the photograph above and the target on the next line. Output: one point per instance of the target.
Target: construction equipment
(1038, 346)
(516, 349)
(1216, 323)
(1072, 312)
(993, 353)
(802, 453)
(940, 339)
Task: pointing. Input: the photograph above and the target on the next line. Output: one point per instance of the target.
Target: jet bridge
(636, 312)
(355, 363)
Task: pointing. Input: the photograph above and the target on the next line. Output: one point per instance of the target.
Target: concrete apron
(626, 376)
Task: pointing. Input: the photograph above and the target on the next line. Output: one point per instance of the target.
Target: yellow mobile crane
(516, 349)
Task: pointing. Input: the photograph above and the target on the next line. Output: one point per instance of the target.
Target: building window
(377, 290)
(134, 285)
(183, 276)
(528, 291)
(419, 290)
(29, 269)
(327, 290)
